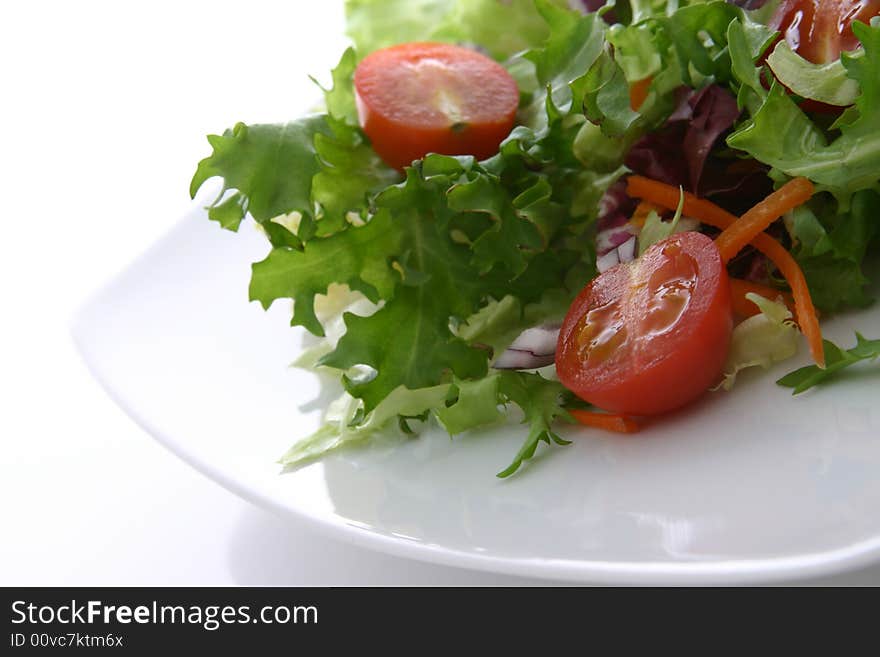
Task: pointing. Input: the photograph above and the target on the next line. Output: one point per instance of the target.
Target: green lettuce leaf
(699, 35)
(543, 402)
(475, 404)
(574, 45)
(355, 257)
(269, 166)
(340, 98)
(442, 279)
(341, 427)
(656, 230)
(781, 135)
(498, 323)
(826, 83)
(456, 258)
(501, 27)
(606, 100)
(458, 406)
(317, 167)
(761, 340)
(836, 359)
(831, 248)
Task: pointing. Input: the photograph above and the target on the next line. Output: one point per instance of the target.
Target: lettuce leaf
(831, 248)
(341, 428)
(501, 27)
(656, 230)
(270, 168)
(761, 340)
(836, 359)
(543, 402)
(780, 134)
(456, 256)
(316, 167)
(825, 83)
(458, 407)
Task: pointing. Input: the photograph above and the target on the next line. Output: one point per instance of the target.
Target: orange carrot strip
(668, 196)
(606, 421)
(805, 311)
(745, 307)
(792, 194)
(638, 92)
(642, 211)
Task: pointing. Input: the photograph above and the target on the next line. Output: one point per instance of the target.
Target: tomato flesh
(651, 335)
(420, 98)
(819, 30)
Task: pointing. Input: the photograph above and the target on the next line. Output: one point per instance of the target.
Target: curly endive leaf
(270, 166)
(542, 401)
(358, 257)
(836, 359)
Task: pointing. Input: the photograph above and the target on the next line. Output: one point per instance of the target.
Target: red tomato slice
(819, 30)
(420, 98)
(651, 335)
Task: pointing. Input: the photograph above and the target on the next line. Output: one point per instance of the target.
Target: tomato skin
(420, 98)
(658, 357)
(819, 30)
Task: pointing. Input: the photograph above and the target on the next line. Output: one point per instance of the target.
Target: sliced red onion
(626, 252)
(535, 347)
(540, 340)
(514, 359)
(608, 240)
(615, 207)
(607, 261)
(614, 219)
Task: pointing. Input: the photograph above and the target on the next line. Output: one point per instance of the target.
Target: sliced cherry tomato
(420, 98)
(819, 30)
(650, 335)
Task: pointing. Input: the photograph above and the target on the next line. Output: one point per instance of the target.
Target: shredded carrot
(667, 196)
(707, 212)
(805, 311)
(792, 194)
(744, 307)
(642, 211)
(607, 421)
(638, 92)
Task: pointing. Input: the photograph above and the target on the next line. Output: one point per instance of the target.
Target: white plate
(750, 486)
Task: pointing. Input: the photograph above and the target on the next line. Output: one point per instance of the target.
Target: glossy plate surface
(748, 486)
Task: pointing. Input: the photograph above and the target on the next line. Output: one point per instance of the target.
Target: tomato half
(420, 98)
(819, 30)
(650, 335)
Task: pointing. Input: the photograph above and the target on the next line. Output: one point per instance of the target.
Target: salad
(570, 211)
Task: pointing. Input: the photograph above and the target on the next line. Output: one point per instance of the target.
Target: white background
(104, 110)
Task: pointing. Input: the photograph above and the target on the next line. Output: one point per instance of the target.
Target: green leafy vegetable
(270, 166)
(459, 406)
(826, 83)
(542, 402)
(502, 27)
(761, 340)
(418, 281)
(655, 229)
(836, 359)
(831, 250)
(316, 167)
(781, 135)
(340, 425)
(348, 257)
(574, 44)
(475, 405)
